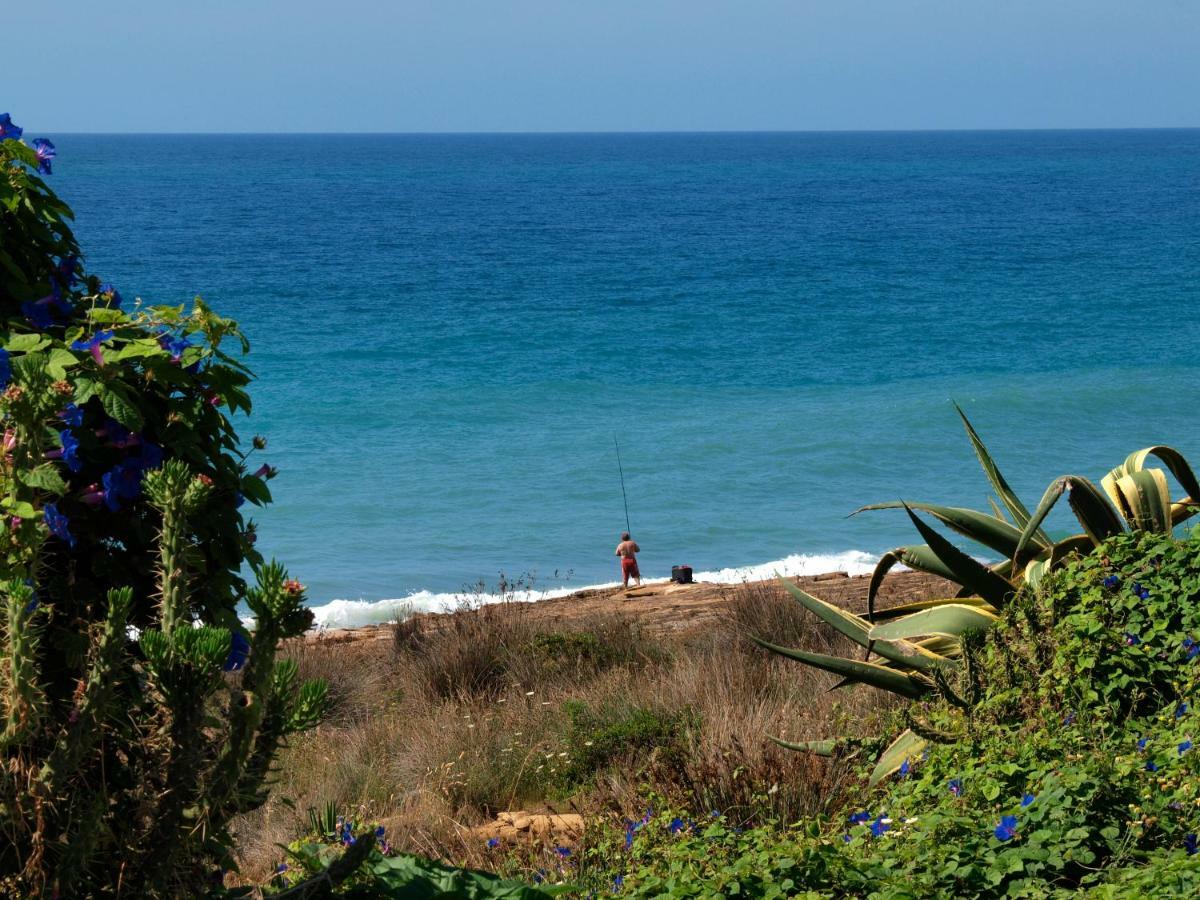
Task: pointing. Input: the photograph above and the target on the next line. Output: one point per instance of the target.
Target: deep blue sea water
(449, 330)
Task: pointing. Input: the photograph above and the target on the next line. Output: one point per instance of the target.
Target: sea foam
(343, 613)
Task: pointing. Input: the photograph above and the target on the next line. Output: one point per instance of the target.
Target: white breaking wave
(357, 613)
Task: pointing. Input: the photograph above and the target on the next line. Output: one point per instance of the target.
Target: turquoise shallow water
(449, 329)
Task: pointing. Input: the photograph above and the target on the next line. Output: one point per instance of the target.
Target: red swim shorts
(629, 568)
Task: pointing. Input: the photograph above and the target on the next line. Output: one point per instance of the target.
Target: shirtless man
(628, 551)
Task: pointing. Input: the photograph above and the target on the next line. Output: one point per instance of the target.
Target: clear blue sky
(598, 65)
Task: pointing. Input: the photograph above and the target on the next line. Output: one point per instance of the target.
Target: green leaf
(25, 343)
(952, 619)
(45, 478)
(990, 531)
(255, 490)
(117, 403)
(1007, 495)
(973, 575)
(906, 746)
(904, 609)
(59, 361)
(826, 747)
(1094, 513)
(868, 673)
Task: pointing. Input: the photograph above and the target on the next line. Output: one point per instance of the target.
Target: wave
(357, 613)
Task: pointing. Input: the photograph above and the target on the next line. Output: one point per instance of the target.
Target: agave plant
(918, 645)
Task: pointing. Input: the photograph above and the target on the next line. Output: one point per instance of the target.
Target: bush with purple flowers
(140, 715)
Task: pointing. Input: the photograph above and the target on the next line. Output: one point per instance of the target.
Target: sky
(598, 65)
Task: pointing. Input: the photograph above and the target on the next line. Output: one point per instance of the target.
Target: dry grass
(463, 716)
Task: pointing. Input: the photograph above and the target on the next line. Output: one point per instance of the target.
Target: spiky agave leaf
(904, 684)
(825, 747)
(1143, 497)
(907, 746)
(1007, 495)
(904, 609)
(1099, 520)
(973, 575)
(919, 556)
(990, 531)
(857, 629)
(1173, 460)
(951, 619)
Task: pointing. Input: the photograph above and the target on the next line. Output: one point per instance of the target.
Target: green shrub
(597, 739)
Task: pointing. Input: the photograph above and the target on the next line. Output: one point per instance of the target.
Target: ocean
(450, 330)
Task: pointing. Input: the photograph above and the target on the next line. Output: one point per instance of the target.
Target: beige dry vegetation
(457, 718)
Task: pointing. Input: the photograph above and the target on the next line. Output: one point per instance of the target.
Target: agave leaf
(826, 747)
(906, 746)
(988, 530)
(864, 672)
(1171, 458)
(1095, 514)
(856, 628)
(1006, 494)
(951, 619)
(919, 556)
(904, 609)
(996, 510)
(1143, 497)
(1183, 510)
(973, 575)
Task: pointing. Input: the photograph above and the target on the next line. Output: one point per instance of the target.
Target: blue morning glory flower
(564, 852)
(281, 868)
(905, 768)
(1111, 582)
(879, 827)
(58, 524)
(859, 817)
(5, 368)
(93, 345)
(1069, 719)
(72, 415)
(1181, 710)
(174, 344)
(1184, 747)
(45, 152)
(239, 652)
(1027, 800)
(122, 482)
(70, 450)
(493, 843)
(1141, 592)
(846, 838)
(1151, 766)
(630, 828)
(1007, 828)
(37, 313)
(1192, 647)
(1141, 744)
(380, 831)
(675, 826)
(618, 882)
(1190, 845)
(956, 786)
(1132, 640)
(9, 131)
(111, 294)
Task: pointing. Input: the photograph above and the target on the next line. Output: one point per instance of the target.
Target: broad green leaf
(255, 490)
(25, 343)
(951, 619)
(59, 361)
(865, 672)
(116, 402)
(45, 478)
(907, 746)
(20, 509)
(973, 575)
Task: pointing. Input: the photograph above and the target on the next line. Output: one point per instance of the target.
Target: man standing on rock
(628, 551)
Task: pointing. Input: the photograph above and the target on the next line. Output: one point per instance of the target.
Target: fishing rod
(622, 472)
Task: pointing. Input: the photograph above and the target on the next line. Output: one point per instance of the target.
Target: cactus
(138, 714)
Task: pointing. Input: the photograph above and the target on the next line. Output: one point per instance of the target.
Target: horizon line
(646, 132)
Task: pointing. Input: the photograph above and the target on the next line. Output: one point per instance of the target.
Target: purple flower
(1112, 581)
(1192, 647)
(239, 652)
(45, 152)
(879, 827)
(905, 769)
(859, 817)
(72, 415)
(1189, 844)
(1007, 828)
(174, 344)
(675, 826)
(122, 482)
(618, 883)
(1141, 744)
(93, 344)
(5, 368)
(70, 450)
(956, 787)
(281, 868)
(37, 312)
(493, 843)
(58, 524)
(846, 838)
(1069, 718)
(564, 852)
(380, 832)
(1132, 640)
(1151, 766)
(9, 131)
(1181, 710)
(1141, 592)
(1027, 800)
(1184, 747)
(111, 294)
